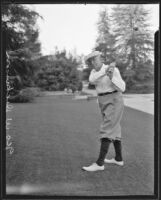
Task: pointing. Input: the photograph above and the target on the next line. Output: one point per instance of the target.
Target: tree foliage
(59, 72)
(105, 40)
(19, 25)
(134, 42)
(20, 33)
(124, 36)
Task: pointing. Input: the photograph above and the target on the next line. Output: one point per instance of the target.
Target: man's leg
(105, 143)
(118, 157)
(118, 150)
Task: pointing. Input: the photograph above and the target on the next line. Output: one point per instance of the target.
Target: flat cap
(93, 54)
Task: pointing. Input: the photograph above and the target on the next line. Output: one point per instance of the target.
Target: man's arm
(96, 75)
(117, 80)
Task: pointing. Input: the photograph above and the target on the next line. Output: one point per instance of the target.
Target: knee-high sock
(118, 150)
(105, 143)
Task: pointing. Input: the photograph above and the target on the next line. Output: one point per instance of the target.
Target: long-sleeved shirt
(103, 83)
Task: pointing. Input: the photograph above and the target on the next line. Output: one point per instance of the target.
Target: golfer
(109, 86)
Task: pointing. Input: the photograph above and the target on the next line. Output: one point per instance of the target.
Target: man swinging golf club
(109, 86)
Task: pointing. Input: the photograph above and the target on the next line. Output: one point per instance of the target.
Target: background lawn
(56, 135)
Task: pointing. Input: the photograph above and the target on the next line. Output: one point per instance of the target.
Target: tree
(58, 72)
(21, 38)
(105, 41)
(19, 24)
(134, 43)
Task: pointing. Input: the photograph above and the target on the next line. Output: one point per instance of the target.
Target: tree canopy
(20, 33)
(124, 36)
(58, 72)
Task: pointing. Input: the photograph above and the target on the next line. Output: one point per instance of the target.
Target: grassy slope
(56, 136)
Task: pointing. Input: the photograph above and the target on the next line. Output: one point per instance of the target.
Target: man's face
(97, 62)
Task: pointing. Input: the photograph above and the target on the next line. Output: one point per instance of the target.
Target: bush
(91, 86)
(58, 72)
(141, 89)
(80, 86)
(25, 95)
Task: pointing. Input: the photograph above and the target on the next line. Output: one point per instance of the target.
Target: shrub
(80, 86)
(25, 95)
(58, 72)
(141, 89)
(91, 86)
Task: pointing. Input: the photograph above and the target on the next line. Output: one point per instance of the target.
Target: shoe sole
(114, 163)
(92, 171)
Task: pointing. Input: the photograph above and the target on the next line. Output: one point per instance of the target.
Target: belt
(103, 94)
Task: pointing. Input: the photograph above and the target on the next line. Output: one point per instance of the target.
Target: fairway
(56, 135)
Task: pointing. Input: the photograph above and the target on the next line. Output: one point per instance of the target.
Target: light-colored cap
(93, 54)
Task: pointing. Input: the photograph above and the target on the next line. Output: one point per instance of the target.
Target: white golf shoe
(113, 161)
(94, 167)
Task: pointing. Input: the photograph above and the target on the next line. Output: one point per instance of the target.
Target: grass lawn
(55, 136)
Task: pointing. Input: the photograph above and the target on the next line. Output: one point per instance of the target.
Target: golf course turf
(55, 136)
